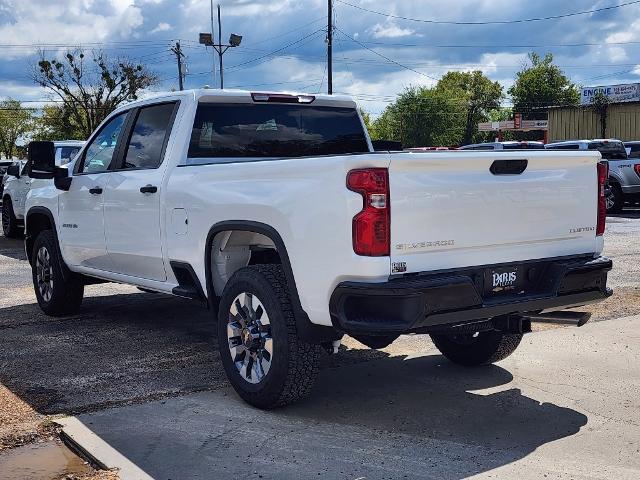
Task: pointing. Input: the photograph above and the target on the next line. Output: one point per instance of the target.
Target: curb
(96, 450)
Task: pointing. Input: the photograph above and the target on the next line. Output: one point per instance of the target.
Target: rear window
(245, 131)
(523, 146)
(610, 150)
(565, 146)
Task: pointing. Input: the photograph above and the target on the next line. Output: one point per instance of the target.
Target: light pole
(207, 40)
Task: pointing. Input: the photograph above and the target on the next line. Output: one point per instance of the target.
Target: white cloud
(390, 30)
(161, 27)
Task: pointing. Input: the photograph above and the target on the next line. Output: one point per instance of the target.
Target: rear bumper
(425, 302)
(631, 189)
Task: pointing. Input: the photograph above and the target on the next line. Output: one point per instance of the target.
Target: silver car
(624, 172)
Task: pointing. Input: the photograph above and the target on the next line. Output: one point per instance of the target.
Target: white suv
(17, 183)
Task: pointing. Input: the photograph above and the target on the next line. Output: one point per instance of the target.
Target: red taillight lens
(636, 167)
(603, 173)
(371, 227)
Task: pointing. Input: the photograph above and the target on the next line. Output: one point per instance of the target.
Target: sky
(376, 55)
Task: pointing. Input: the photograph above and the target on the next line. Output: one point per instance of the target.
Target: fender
(307, 331)
(29, 239)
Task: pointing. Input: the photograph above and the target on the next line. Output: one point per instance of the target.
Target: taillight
(371, 226)
(636, 167)
(603, 173)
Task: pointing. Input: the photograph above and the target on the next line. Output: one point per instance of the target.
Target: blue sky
(593, 49)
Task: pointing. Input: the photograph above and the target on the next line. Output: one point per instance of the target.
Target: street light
(207, 40)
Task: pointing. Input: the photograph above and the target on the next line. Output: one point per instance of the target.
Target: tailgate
(448, 210)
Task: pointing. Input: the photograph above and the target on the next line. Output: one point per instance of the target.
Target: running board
(561, 318)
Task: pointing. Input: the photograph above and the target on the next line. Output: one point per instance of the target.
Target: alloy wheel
(249, 337)
(44, 274)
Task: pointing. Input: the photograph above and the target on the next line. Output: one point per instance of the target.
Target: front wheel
(9, 221)
(266, 362)
(57, 294)
(480, 348)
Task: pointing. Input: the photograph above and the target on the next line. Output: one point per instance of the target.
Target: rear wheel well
(232, 250)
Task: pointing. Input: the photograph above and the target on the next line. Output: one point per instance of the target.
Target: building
(622, 115)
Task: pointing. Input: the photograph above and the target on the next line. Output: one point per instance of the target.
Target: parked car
(624, 172)
(275, 211)
(510, 145)
(633, 149)
(17, 183)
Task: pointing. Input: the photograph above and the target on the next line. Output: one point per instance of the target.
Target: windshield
(610, 150)
(275, 130)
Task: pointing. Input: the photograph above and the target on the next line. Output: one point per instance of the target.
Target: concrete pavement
(565, 405)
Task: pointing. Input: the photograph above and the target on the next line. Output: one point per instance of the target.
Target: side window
(148, 136)
(635, 151)
(100, 152)
(568, 146)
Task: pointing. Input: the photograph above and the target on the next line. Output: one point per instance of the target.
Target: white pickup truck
(276, 212)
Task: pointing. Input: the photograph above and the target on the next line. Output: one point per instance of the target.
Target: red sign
(517, 121)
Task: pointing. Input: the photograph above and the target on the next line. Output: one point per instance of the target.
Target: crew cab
(275, 211)
(17, 184)
(624, 172)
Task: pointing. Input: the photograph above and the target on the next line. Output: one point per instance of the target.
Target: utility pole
(220, 52)
(213, 51)
(176, 50)
(330, 48)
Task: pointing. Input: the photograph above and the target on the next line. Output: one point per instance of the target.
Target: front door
(81, 209)
(132, 197)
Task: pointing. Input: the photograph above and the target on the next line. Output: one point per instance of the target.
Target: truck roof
(246, 96)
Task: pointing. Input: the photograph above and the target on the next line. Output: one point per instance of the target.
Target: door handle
(148, 189)
(95, 191)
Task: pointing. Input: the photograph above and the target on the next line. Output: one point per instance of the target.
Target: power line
(538, 45)
(385, 57)
(493, 22)
(261, 57)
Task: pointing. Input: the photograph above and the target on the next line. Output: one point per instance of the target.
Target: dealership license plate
(503, 280)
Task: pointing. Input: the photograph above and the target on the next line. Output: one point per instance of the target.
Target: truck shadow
(423, 412)
(12, 247)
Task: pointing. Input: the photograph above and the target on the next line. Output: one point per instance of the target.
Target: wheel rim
(249, 337)
(610, 199)
(6, 219)
(44, 274)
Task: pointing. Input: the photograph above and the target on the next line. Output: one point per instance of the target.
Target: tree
(542, 84)
(600, 104)
(475, 93)
(57, 123)
(15, 122)
(422, 116)
(90, 90)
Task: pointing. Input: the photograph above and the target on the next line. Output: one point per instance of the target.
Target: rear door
(448, 210)
(81, 209)
(132, 197)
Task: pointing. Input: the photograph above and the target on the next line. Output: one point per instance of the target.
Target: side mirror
(14, 170)
(62, 179)
(42, 156)
(386, 145)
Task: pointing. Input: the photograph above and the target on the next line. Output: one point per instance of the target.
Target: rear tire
(615, 198)
(9, 220)
(56, 295)
(482, 348)
(266, 362)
